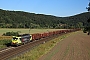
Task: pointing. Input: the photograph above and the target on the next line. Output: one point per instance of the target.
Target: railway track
(5, 49)
(10, 52)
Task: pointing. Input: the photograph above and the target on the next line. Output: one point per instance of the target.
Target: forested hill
(20, 19)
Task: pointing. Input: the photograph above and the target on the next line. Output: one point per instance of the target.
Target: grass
(26, 30)
(4, 41)
(5, 37)
(41, 49)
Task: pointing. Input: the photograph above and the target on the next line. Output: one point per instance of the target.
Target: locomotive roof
(23, 35)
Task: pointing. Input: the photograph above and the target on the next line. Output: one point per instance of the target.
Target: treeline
(21, 19)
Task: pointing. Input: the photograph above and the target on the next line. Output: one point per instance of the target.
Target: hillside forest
(21, 19)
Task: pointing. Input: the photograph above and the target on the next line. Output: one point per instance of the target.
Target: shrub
(4, 43)
(10, 34)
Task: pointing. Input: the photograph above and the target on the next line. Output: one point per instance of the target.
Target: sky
(60, 8)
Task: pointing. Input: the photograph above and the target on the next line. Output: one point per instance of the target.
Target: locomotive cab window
(20, 38)
(15, 38)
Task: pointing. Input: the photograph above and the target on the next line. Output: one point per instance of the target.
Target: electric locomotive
(21, 39)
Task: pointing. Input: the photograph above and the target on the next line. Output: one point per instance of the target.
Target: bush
(10, 34)
(85, 30)
(5, 43)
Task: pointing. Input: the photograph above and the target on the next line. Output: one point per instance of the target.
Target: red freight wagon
(68, 30)
(50, 33)
(46, 34)
(60, 32)
(36, 36)
(43, 35)
(55, 32)
(63, 31)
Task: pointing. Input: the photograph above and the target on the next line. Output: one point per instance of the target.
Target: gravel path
(74, 47)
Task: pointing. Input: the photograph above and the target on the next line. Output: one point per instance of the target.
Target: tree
(88, 20)
(88, 27)
(20, 19)
(88, 8)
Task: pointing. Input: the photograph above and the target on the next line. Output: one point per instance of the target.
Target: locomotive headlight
(14, 42)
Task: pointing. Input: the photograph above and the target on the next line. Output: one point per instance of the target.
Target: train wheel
(24, 43)
(17, 45)
(88, 33)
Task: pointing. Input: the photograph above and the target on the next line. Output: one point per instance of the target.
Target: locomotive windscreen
(15, 38)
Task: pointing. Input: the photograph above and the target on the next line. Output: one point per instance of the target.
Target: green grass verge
(40, 50)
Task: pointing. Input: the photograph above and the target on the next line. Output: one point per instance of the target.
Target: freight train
(26, 38)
